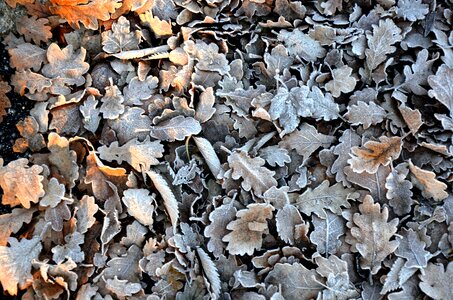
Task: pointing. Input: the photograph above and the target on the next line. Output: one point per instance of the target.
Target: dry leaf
(84, 11)
(426, 182)
(120, 38)
(366, 114)
(436, 281)
(248, 229)
(177, 128)
(254, 175)
(342, 81)
(371, 234)
(373, 154)
(441, 85)
(34, 29)
(21, 184)
(139, 204)
(27, 56)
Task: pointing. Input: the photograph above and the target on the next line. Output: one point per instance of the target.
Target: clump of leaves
(172, 142)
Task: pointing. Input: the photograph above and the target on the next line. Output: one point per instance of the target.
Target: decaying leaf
(366, 114)
(66, 64)
(140, 155)
(247, 230)
(380, 42)
(306, 140)
(436, 281)
(373, 154)
(371, 234)
(296, 281)
(342, 81)
(86, 12)
(254, 175)
(325, 197)
(426, 181)
(139, 204)
(21, 184)
(16, 263)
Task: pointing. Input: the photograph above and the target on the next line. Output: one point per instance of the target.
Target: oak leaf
(66, 64)
(412, 248)
(177, 128)
(21, 184)
(371, 234)
(373, 154)
(119, 38)
(112, 102)
(216, 230)
(54, 193)
(327, 233)
(12, 223)
(248, 229)
(301, 44)
(306, 140)
(34, 29)
(325, 197)
(442, 86)
(139, 204)
(84, 11)
(122, 288)
(296, 281)
(71, 249)
(412, 10)
(254, 175)
(16, 261)
(85, 213)
(365, 113)
(399, 190)
(426, 181)
(436, 281)
(4, 100)
(27, 56)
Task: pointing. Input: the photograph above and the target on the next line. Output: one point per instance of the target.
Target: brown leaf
(27, 56)
(372, 233)
(247, 230)
(373, 154)
(4, 100)
(34, 29)
(426, 181)
(254, 175)
(21, 184)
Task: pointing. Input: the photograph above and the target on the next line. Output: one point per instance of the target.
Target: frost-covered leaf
(27, 56)
(139, 204)
(54, 193)
(288, 219)
(125, 267)
(373, 154)
(138, 90)
(87, 13)
(112, 102)
(319, 106)
(209, 155)
(21, 184)
(412, 10)
(442, 86)
(133, 123)
(135, 234)
(325, 197)
(399, 190)
(348, 140)
(140, 155)
(436, 281)
(210, 271)
(275, 155)
(119, 38)
(248, 229)
(177, 128)
(327, 232)
(254, 175)
(71, 249)
(306, 140)
(380, 43)
(12, 223)
(170, 202)
(16, 263)
(208, 56)
(371, 234)
(365, 114)
(397, 276)
(85, 213)
(34, 29)
(296, 281)
(426, 182)
(57, 215)
(122, 288)
(90, 113)
(412, 248)
(216, 230)
(375, 183)
(417, 74)
(205, 108)
(66, 64)
(342, 81)
(301, 44)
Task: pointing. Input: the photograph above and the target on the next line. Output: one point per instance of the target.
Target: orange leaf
(86, 12)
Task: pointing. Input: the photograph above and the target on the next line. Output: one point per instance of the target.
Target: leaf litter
(229, 150)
